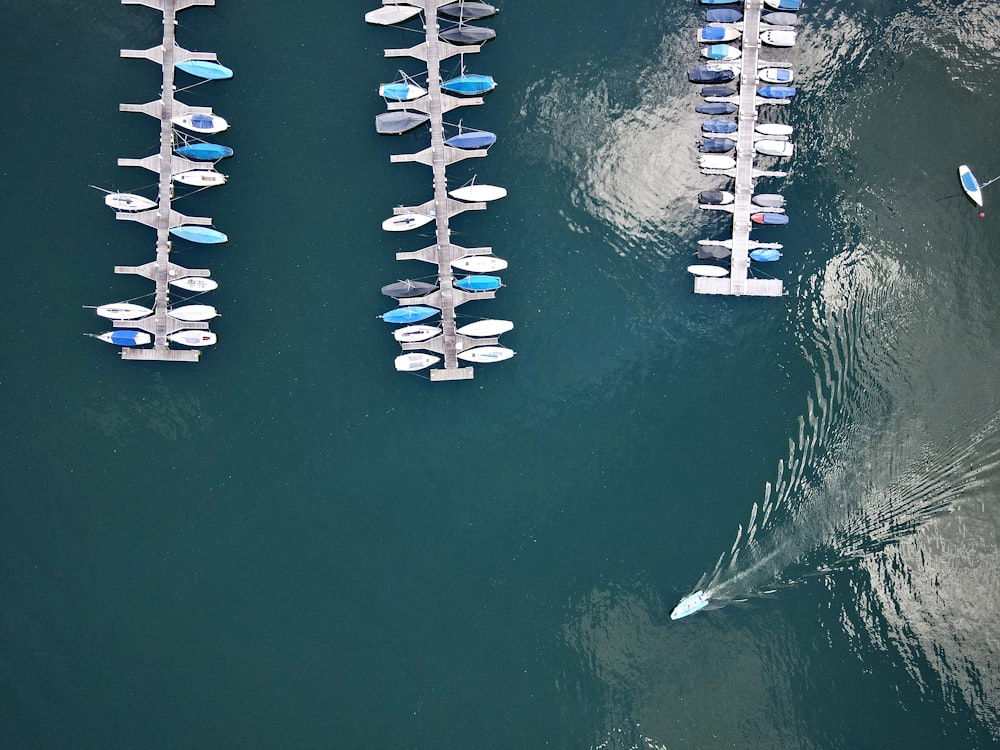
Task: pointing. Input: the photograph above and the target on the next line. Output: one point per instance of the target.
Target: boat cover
(713, 33)
(776, 92)
(409, 314)
(204, 151)
(713, 197)
(472, 139)
(765, 255)
(716, 145)
(124, 337)
(708, 91)
(479, 283)
(202, 121)
(723, 15)
(719, 126)
(713, 252)
(464, 34)
(704, 74)
(716, 108)
(467, 11)
(408, 288)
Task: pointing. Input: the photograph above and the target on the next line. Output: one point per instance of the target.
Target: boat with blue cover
(706, 74)
(717, 108)
(765, 255)
(472, 139)
(717, 34)
(401, 91)
(776, 75)
(723, 15)
(776, 92)
(720, 2)
(970, 185)
(410, 314)
(716, 145)
(717, 91)
(203, 151)
(690, 604)
(719, 126)
(199, 234)
(722, 52)
(126, 337)
(479, 283)
(471, 84)
(789, 5)
(212, 71)
(769, 218)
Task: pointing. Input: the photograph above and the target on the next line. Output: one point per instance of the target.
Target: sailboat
(125, 337)
(201, 123)
(128, 202)
(212, 71)
(203, 151)
(971, 185)
(413, 361)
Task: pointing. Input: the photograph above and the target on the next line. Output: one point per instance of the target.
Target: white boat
(195, 284)
(778, 38)
(717, 34)
(388, 15)
(776, 75)
(774, 128)
(690, 604)
(200, 177)
(717, 161)
(193, 338)
(971, 185)
(191, 313)
(483, 354)
(123, 311)
(476, 193)
(405, 222)
(479, 263)
(201, 123)
(485, 328)
(702, 270)
(415, 333)
(412, 361)
(774, 148)
(722, 52)
(128, 202)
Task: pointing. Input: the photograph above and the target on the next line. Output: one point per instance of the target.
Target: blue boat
(783, 4)
(714, 34)
(719, 126)
(765, 255)
(716, 145)
(716, 108)
(410, 314)
(472, 139)
(776, 92)
(719, 2)
(213, 71)
(723, 15)
(469, 85)
(204, 151)
(201, 235)
(126, 337)
(479, 283)
(705, 74)
(766, 217)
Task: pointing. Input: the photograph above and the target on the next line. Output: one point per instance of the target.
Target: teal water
(289, 544)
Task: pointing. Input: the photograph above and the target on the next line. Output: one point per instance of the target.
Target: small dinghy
(776, 129)
(389, 15)
(723, 15)
(401, 91)
(479, 263)
(407, 288)
(199, 234)
(477, 193)
(128, 202)
(123, 311)
(204, 151)
(766, 217)
(201, 123)
(722, 52)
(466, 34)
(484, 354)
(716, 197)
(717, 34)
(472, 84)
(768, 200)
(195, 284)
(479, 283)
(765, 255)
(705, 74)
(193, 313)
(717, 161)
(406, 222)
(716, 145)
(713, 252)
(719, 126)
(413, 334)
(400, 121)
(717, 108)
(776, 92)
(970, 185)
(690, 604)
(411, 314)
(703, 270)
(780, 19)
(778, 38)
(200, 178)
(775, 75)
(126, 337)
(717, 91)
(789, 5)
(212, 71)
(468, 11)
(773, 148)
(472, 139)
(190, 337)
(413, 361)
(485, 328)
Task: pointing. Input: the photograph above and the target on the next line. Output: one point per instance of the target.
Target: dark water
(290, 545)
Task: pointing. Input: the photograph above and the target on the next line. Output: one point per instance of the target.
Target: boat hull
(200, 178)
(407, 288)
(194, 338)
(970, 185)
(716, 197)
(212, 71)
(777, 38)
(776, 75)
(776, 92)
(401, 92)
(123, 311)
(398, 122)
(464, 34)
(406, 222)
(410, 314)
(389, 15)
(477, 193)
(485, 354)
(195, 284)
(472, 139)
(193, 313)
(479, 283)
(473, 84)
(765, 255)
(412, 334)
(199, 234)
(774, 148)
(204, 151)
(479, 263)
(769, 218)
(717, 34)
(128, 202)
(717, 108)
(201, 123)
(413, 361)
(468, 11)
(126, 337)
(722, 52)
(690, 604)
(704, 270)
(485, 328)
(703, 74)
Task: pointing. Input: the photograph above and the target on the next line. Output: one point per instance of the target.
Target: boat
(399, 121)
(201, 123)
(410, 314)
(193, 313)
(401, 91)
(713, 252)
(719, 2)
(406, 222)
(770, 147)
(778, 38)
(199, 234)
(705, 74)
(717, 108)
(195, 284)
(467, 34)
(716, 145)
(203, 151)
(970, 185)
(407, 288)
(472, 139)
(776, 75)
(476, 193)
(776, 129)
(717, 91)
(468, 11)
(128, 202)
(717, 161)
(765, 255)
(768, 200)
(479, 283)
(722, 52)
(780, 19)
(189, 337)
(723, 15)
(213, 71)
(483, 354)
(716, 197)
(776, 92)
(412, 361)
(126, 337)
(415, 333)
(703, 270)
(768, 217)
(389, 15)
(471, 84)
(485, 328)
(717, 34)
(719, 126)
(123, 311)
(790, 5)
(200, 178)
(479, 263)
(690, 604)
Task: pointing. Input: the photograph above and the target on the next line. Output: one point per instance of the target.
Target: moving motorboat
(123, 311)
(479, 283)
(765, 255)
(213, 71)
(472, 139)
(970, 185)
(471, 84)
(778, 38)
(776, 75)
(199, 234)
(401, 91)
(716, 145)
(776, 92)
(203, 151)
(411, 334)
(722, 52)
(769, 217)
(389, 15)
(485, 328)
(483, 354)
(410, 314)
(408, 288)
(126, 337)
(705, 74)
(713, 252)
(467, 34)
(195, 284)
(406, 222)
(468, 11)
(399, 121)
(717, 34)
(690, 604)
(719, 126)
(770, 147)
(201, 123)
(193, 313)
(412, 361)
(716, 197)
(189, 337)
(128, 202)
(200, 178)
(479, 263)
(706, 270)
(717, 108)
